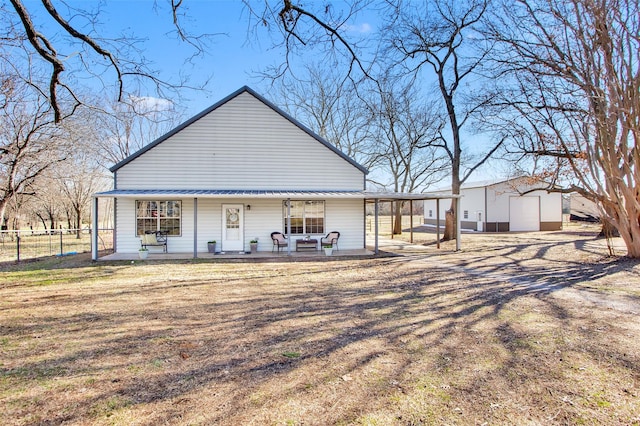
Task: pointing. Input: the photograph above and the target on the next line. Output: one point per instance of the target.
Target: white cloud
(149, 103)
(363, 28)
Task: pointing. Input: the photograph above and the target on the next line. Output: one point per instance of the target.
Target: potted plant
(143, 252)
(254, 245)
(328, 249)
(211, 246)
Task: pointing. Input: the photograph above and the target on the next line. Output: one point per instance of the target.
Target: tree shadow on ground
(247, 344)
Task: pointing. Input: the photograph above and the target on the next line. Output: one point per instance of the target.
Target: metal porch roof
(242, 193)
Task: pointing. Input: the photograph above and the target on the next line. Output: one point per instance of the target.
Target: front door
(232, 227)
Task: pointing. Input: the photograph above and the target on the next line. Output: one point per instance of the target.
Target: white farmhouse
(237, 171)
(503, 205)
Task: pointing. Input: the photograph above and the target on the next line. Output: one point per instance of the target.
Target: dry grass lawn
(537, 328)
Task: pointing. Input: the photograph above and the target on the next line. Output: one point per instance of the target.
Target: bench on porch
(154, 239)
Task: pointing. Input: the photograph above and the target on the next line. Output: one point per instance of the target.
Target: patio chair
(331, 238)
(154, 238)
(279, 240)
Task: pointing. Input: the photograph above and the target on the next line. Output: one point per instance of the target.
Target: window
(158, 216)
(466, 214)
(307, 217)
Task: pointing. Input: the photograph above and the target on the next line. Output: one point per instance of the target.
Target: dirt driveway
(543, 261)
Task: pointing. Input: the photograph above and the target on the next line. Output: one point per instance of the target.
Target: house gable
(242, 142)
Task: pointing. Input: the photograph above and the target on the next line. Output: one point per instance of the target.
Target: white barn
(502, 206)
(233, 173)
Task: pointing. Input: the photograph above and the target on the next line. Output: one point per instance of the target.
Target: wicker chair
(279, 240)
(331, 238)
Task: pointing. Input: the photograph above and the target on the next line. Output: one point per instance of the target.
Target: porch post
(375, 215)
(458, 224)
(195, 228)
(289, 226)
(437, 222)
(94, 229)
(364, 223)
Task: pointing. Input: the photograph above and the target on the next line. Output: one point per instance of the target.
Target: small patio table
(306, 244)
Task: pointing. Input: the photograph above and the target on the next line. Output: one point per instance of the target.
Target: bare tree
(406, 131)
(30, 142)
(73, 44)
(125, 127)
(77, 181)
(324, 102)
(575, 74)
(321, 28)
(438, 40)
(46, 202)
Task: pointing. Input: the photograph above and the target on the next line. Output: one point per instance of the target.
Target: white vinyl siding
(264, 217)
(243, 144)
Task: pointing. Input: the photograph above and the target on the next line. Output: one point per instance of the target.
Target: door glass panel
(233, 224)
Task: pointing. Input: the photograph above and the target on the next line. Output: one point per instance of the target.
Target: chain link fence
(31, 244)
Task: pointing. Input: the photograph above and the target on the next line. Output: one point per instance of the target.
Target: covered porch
(369, 246)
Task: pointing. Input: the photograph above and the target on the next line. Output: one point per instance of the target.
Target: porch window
(158, 216)
(307, 217)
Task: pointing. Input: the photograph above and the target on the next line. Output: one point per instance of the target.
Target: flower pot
(143, 254)
(328, 251)
(211, 247)
(254, 247)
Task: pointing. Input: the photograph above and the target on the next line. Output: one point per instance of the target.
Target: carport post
(458, 223)
(195, 228)
(391, 219)
(289, 226)
(411, 220)
(375, 249)
(438, 222)
(94, 226)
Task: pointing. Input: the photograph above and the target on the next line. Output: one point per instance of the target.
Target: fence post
(61, 243)
(18, 246)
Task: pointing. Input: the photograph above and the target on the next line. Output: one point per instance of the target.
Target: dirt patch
(537, 328)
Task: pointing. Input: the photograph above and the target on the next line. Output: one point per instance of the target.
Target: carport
(391, 197)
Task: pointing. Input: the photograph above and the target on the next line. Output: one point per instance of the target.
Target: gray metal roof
(281, 194)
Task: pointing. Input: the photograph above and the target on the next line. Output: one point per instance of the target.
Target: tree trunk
(397, 219)
(608, 230)
(78, 212)
(449, 225)
(3, 211)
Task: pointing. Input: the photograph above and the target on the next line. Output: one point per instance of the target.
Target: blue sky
(232, 58)
(234, 55)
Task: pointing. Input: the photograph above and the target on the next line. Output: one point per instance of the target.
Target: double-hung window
(307, 217)
(158, 216)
